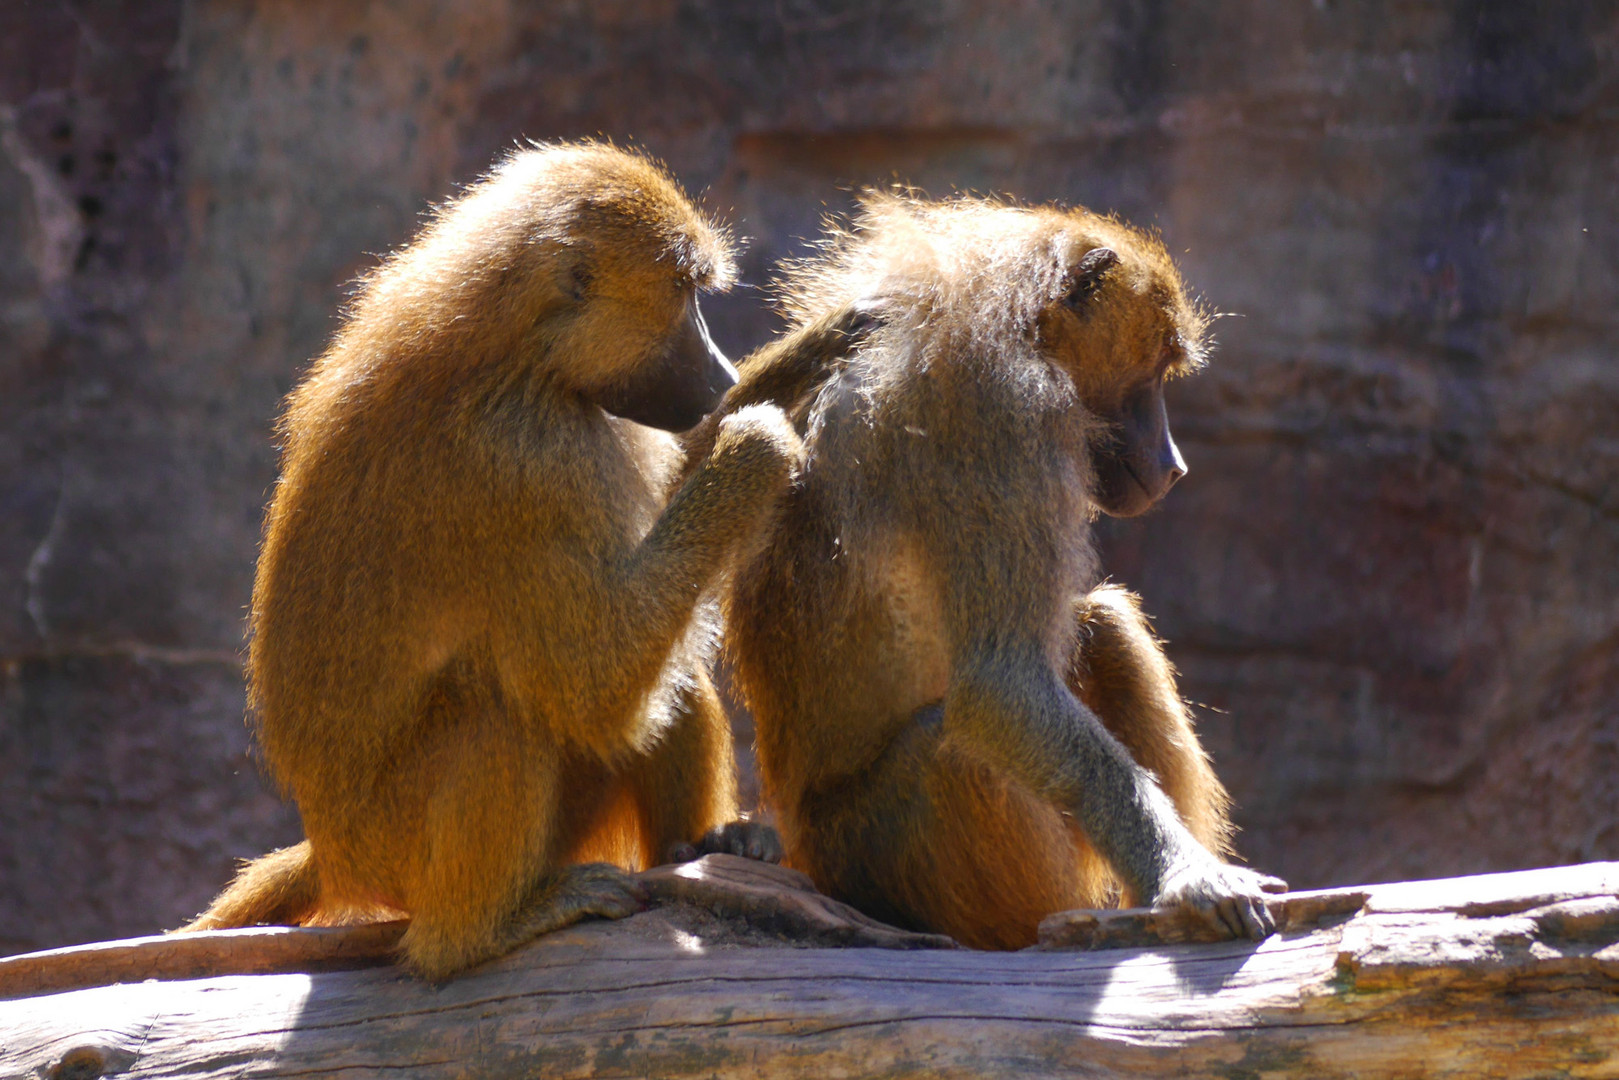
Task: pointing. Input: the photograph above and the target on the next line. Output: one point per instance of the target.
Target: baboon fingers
(745, 838)
(864, 316)
(748, 839)
(1253, 920)
(1228, 898)
(1236, 916)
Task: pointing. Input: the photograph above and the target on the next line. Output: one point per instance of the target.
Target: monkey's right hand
(757, 444)
(1229, 898)
(862, 316)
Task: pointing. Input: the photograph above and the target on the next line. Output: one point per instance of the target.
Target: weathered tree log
(742, 970)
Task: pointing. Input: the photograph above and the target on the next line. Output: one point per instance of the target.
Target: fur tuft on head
(568, 261)
(528, 234)
(627, 196)
(979, 270)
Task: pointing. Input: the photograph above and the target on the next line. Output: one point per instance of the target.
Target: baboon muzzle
(681, 386)
(1142, 462)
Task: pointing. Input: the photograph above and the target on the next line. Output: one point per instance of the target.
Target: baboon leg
(933, 840)
(686, 786)
(487, 881)
(1120, 672)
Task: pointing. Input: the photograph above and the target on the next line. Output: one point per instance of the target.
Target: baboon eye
(577, 281)
(1086, 276)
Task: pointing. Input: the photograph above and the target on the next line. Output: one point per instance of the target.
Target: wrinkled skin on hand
(1226, 897)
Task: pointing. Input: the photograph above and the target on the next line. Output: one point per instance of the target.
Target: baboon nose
(1174, 464)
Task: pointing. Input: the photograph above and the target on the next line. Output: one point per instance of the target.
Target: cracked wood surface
(729, 975)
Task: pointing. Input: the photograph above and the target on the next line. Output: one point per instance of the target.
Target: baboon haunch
(479, 626)
(959, 729)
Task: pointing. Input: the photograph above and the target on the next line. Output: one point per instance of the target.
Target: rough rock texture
(1393, 574)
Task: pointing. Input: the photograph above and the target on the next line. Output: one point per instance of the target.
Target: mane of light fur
(977, 270)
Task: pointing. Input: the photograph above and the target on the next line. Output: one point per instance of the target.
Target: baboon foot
(577, 892)
(437, 948)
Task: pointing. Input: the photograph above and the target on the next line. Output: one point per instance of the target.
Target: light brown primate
(479, 628)
(959, 729)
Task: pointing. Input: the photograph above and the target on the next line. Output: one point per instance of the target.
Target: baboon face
(679, 384)
(1140, 463)
(1128, 330)
(637, 342)
(599, 257)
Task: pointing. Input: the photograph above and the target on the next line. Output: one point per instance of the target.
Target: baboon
(959, 729)
(481, 622)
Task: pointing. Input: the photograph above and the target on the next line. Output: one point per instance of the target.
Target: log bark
(743, 970)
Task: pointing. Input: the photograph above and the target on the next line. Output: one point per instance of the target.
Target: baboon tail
(280, 888)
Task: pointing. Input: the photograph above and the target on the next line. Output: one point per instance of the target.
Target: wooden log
(730, 976)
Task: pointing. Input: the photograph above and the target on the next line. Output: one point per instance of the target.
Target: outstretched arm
(1008, 707)
(786, 372)
(615, 632)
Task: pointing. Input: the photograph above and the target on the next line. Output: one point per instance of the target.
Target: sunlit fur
(943, 518)
(479, 636)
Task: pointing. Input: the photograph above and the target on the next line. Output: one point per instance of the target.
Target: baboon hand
(749, 839)
(758, 439)
(1229, 898)
(864, 315)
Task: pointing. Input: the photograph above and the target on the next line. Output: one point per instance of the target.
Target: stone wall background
(1392, 576)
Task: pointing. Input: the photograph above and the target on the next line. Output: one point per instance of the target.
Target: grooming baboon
(479, 641)
(959, 730)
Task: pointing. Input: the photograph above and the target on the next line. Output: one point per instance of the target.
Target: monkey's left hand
(1228, 897)
(749, 839)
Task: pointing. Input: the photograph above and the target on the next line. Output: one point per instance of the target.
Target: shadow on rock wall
(1392, 577)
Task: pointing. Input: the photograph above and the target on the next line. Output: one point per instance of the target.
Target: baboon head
(680, 384)
(635, 254)
(980, 281)
(584, 261)
(1121, 325)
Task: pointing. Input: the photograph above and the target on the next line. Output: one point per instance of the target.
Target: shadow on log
(742, 970)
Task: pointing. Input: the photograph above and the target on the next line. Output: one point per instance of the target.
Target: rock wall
(1392, 577)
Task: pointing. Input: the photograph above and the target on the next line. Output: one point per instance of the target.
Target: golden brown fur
(933, 669)
(479, 632)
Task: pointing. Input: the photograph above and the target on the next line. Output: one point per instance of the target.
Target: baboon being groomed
(960, 729)
(479, 633)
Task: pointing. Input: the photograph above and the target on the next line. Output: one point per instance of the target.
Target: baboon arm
(1012, 711)
(640, 606)
(785, 372)
(1118, 670)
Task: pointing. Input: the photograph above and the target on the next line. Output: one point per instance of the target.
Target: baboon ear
(1086, 276)
(576, 277)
